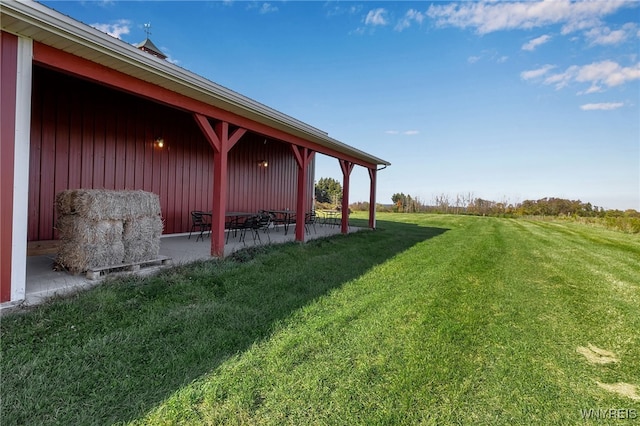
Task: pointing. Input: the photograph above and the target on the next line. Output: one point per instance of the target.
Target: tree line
(468, 204)
(328, 194)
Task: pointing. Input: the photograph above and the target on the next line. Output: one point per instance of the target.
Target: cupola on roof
(148, 46)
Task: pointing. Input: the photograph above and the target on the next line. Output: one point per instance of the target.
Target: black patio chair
(310, 220)
(233, 225)
(199, 223)
(255, 224)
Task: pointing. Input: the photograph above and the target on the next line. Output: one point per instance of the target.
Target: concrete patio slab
(44, 281)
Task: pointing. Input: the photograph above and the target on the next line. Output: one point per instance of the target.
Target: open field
(430, 319)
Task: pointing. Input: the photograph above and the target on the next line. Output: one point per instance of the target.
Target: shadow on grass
(113, 353)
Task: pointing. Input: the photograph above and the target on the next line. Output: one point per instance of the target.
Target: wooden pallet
(39, 248)
(95, 273)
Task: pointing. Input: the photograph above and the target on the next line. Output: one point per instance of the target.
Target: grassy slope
(439, 319)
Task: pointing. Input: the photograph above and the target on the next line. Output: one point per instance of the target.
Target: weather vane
(147, 29)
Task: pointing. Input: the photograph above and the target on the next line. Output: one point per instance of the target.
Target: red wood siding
(85, 135)
(252, 187)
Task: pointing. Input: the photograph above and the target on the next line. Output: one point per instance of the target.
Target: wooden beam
(209, 133)
(235, 137)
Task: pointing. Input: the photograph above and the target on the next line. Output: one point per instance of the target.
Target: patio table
(330, 217)
(239, 214)
(285, 217)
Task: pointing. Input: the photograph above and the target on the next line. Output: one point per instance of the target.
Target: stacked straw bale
(102, 228)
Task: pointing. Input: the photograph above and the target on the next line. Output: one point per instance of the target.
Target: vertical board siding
(35, 154)
(48, 152)
(85, 135)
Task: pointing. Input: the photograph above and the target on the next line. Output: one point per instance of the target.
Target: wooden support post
(221, 142)
(303, 157)
(347, 168)
(372, 198)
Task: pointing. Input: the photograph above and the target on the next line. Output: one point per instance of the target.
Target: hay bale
(102, 204)
(101, 228)
(142, 228)
(76, 229)
(141, 250)
(141, 238)
(83, 256)
(65, 202)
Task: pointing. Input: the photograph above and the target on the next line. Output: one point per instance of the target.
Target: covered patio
(84, 110)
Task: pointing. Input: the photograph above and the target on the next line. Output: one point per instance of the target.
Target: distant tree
(459, 203)
(399, 201)
(442, 203)
(328, 190)
(406, 203)
(359, 206)
(632, 213)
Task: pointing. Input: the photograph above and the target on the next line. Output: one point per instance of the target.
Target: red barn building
(81, 109)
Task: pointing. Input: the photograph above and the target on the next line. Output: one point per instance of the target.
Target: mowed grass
(428, 319)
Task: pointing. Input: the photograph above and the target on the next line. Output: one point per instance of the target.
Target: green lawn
(430, 319)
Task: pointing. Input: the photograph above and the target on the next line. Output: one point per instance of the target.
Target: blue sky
(505, 101)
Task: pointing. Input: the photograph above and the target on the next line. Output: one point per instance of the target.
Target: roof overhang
(49, 27)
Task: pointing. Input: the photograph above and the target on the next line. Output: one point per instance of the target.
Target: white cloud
(563, 79)
(608, 72)
(604, 106)
(537, 73)
(411, 16)
(169, 58)
(405, 132)
(533, 44)
(262, 8)
(593, 89)
(491, 55)
(598, 74)
(268, 8)
(605, 36)
(579, 25)
(492, 16)
(376, 17)
(117, 29)
(336, 9)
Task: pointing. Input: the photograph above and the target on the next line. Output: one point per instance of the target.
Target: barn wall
(252, 187)
(85, 135)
